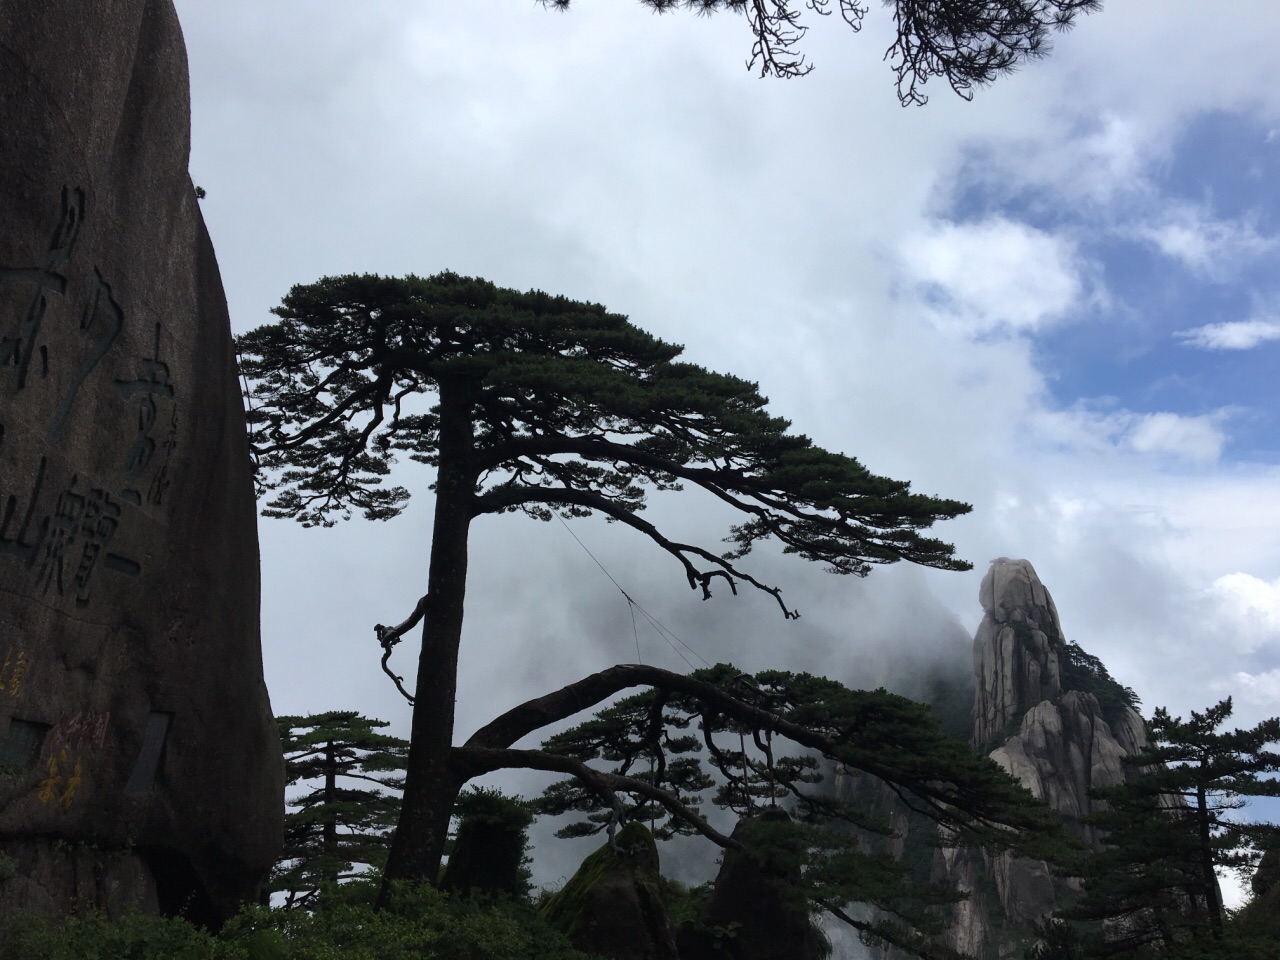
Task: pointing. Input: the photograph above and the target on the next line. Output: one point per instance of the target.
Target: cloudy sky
(1057, 302)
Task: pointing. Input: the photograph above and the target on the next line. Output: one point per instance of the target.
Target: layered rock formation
(1050, 715)
(139, 764)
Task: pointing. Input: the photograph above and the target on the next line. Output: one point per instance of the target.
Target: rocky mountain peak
(1015, 651)
(1037, 706)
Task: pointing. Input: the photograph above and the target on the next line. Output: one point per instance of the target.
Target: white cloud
(1260, 689)
(1234, 335)
(750, 220)
(1212, 248)
(1196, 439)
(1252, 607)
(993, 275)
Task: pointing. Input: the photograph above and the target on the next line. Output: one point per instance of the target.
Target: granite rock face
(613, 905)
(139, 764)
(750, 899)
(1014, 658)
(1036, 713)
(1057, 741)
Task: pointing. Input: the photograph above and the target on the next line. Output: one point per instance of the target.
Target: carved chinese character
(78, 532)
(103, 319)
(16, 535)
(61, 532)
(20, 350)
(152, 382)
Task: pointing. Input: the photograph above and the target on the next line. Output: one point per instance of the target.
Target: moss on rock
(613, 905)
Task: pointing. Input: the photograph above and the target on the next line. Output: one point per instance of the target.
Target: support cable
(658, 627)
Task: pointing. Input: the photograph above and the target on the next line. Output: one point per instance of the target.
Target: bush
(422, 924)
(133, 937)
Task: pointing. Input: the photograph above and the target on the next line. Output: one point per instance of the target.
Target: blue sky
(1057, 302)
(1143, 345)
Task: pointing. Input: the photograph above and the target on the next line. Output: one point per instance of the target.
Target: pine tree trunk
(330, 841)
(1206, 864)
(431, 786)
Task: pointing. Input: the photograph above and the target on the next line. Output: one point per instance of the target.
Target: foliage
(830, 852)
(132, 937)
(1058, 940)
(423, 924)
(489, 851)
(967, 42)
(419, 923)
(337, 829)
(635, 737)
(542, 406)
(1169, 827)
(546, 378)
(1084, 672)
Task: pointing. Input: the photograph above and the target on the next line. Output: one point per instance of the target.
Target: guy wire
(654, 622)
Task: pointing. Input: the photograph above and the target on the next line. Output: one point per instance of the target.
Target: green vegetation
(834, 849)
(339, 828)
(1153, 891)
(1084, 672)
(423, 924)
(489, 852)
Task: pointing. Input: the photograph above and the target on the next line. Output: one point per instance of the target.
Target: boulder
(755, 911)
(139, 763)
(613, 906)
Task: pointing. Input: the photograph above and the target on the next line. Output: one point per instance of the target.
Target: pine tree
(546, 406)
(335, 829)
(1170, 827)
(762, 771)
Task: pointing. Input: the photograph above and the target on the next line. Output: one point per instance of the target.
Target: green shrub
(134, 937)
(421, 924)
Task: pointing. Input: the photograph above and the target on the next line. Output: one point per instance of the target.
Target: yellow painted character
(49, 785)
(19, 671)
(73, 783)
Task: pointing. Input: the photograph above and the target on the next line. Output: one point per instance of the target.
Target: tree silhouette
(339, 828)
(1170, 826)
(969, 43)
(546, 406)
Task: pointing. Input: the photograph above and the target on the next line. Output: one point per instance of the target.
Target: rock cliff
(139, 764)
(1053, 717)
(1043, 709)
(749, 899)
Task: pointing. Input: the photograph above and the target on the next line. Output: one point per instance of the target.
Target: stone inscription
(73, 741)
(61, 780)
(13, 671)
(67, 532)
